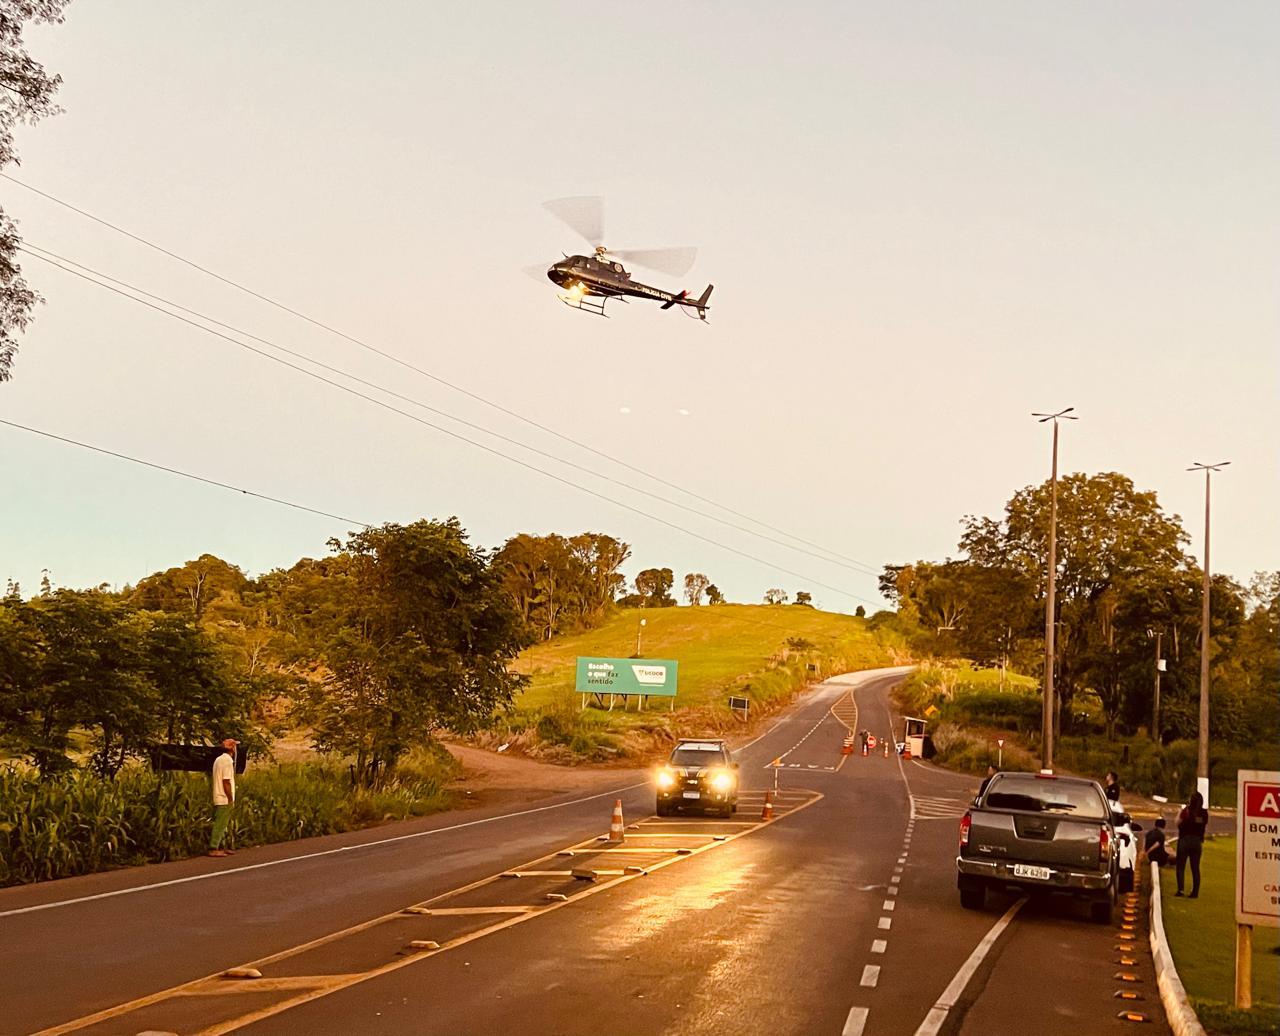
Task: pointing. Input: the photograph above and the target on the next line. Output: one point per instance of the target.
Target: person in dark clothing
(1192, 822)
(1112, 789)
(1153, 844)
(991, 772)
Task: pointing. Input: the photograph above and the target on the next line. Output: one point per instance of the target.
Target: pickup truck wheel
(973, 894)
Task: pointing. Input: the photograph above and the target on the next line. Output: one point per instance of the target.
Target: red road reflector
(1127, 962)
(1126, 976)
(1127, 994)
(1132, 1016)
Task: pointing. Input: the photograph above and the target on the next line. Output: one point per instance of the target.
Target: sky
(923, 222)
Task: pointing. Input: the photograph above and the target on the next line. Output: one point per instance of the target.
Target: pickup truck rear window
(1034, 795)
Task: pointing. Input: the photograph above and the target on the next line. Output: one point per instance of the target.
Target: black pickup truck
(1041, 833)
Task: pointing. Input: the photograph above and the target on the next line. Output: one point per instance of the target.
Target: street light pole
(1155, 701)
(1047, 707)
(639, 634)
(1202, 757)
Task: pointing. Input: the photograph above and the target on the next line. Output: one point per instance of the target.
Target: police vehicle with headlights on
(701, 775)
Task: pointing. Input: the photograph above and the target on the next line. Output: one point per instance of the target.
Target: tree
(714, 596)
(860, 612)
(425, 645)
(695, 585)
(804, 598)
(560, 584)
(654, 587)
(26, 95)
(775, 596)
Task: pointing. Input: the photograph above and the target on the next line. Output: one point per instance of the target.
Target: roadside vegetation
(765, 653)
(1202, 935)
(1126, 587)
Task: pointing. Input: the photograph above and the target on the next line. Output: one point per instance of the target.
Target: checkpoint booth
(914, 739)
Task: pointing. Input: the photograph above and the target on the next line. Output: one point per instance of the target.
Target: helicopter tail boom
(700, 303)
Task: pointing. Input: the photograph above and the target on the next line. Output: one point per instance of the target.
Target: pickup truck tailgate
(1018, 837)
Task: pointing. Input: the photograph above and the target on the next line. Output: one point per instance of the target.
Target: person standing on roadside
(991, 772)
(224, 795)
(1112, 789)
(1192, 822)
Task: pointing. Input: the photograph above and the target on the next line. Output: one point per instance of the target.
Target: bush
(78, 823)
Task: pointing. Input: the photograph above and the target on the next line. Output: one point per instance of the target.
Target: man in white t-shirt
(224, 795)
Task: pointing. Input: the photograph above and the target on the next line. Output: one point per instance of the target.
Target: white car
(1127, 837)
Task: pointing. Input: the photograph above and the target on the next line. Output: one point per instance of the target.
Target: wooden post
(1244, 966)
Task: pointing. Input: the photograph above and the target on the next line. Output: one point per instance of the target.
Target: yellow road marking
(313, 992)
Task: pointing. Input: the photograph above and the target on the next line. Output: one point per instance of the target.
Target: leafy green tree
(803, 598)
(26, 95)
(425, 645)
(695, 585)
(714, 595)
(775, 595)
(654, 587)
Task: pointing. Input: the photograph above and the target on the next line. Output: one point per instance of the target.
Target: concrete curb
(1177, 1008)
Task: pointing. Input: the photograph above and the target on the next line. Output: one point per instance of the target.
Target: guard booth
(915, 739)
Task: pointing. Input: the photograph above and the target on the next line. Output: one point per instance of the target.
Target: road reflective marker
(316, 855)
(885, 922)
(870, 976)
(856, 1022)
(895, 879)
(937, 1015)
(888, 904)
(892, 890)
(331, 984)
(879, 945)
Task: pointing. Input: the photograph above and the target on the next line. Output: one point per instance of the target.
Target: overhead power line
(38, 252)
(455, 435)
(183, 474)
(852, 562)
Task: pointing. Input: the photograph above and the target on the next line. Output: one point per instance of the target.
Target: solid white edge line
(938, 1012)
(310, 856)
(856, 1022)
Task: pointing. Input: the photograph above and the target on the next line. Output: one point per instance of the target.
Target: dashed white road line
(885, 922)
(879, 945)
(856, 1022)
(870, 976)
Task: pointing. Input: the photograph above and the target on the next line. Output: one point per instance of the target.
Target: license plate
(1022, 870)
(693, 795)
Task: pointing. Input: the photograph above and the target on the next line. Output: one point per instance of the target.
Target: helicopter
(590, 281)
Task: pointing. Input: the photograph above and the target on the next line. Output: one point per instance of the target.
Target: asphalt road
(839, 916)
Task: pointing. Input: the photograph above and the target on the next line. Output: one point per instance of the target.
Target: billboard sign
(646, 676)
(1258, 848)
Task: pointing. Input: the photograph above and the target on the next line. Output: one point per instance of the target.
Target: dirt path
(491, 779)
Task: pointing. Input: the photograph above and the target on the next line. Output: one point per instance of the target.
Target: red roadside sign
(1258, 848)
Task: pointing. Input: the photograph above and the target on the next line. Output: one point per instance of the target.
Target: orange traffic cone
(767, 812)
(886, 749)
(617, 829)
(906, 750)
(848, 746)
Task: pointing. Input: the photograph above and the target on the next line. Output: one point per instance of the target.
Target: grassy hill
(764, 652)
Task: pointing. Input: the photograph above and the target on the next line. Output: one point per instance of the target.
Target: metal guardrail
(1177, 1007)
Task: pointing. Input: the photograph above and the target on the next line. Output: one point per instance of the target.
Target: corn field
(80, 823)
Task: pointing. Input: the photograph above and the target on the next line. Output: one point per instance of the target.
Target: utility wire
(870, 570)
(452, 434)
(181, 473)
(38, 252)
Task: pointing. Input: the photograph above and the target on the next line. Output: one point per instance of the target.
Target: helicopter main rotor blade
(674, 261)
(585, 215)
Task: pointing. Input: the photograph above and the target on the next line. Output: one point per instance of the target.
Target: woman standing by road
(1192, 822)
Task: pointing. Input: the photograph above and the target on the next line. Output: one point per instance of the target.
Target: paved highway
(839, 916)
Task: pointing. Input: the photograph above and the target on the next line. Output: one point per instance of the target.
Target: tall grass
(79, 823)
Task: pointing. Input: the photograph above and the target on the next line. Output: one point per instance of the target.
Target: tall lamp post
(1046, 718)
(1202, 758)
(640, 634)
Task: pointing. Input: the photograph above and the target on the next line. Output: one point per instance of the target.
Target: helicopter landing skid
(586, 304)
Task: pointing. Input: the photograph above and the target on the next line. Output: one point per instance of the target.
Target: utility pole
(1046, 718)
(1155, 700)
(1202, 757)
(639, 634)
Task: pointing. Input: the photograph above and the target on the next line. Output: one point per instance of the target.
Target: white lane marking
(938, 807)
(311, 856)
(879, 945)
(893, 890)
(938, 1012)
(856, 1022)
(885, 922)
(870, 976)
(895, 879)
(889, 904)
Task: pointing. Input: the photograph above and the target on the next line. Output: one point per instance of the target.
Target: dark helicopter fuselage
(582, 275)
